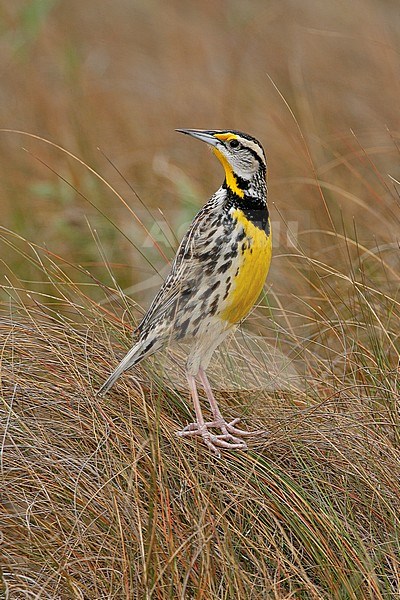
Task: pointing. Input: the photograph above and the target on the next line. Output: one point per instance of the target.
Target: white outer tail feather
(134, 356)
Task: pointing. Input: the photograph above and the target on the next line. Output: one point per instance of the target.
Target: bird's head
(241, 155)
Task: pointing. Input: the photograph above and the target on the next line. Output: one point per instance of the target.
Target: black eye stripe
(237, 145)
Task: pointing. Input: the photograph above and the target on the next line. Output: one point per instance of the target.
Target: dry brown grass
(99, 498)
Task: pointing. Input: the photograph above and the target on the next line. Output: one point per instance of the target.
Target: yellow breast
(250, 270)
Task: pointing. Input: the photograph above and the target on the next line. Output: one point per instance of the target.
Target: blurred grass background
(100, 499)
(122, 77)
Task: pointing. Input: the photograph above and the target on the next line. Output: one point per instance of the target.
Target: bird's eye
(234, 144)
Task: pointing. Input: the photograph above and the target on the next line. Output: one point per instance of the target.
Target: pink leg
(201, 428)
(218, 418)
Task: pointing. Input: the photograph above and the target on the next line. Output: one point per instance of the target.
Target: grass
(99, 498)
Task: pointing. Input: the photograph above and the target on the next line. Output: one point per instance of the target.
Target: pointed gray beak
(201, 134)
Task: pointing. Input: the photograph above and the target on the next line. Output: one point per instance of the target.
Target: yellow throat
(229, 174)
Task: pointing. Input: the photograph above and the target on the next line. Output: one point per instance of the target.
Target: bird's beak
(201, 134)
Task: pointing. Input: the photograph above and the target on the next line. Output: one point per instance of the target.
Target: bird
(215, 279)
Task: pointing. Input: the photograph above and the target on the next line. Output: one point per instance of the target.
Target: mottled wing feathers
(188, 268)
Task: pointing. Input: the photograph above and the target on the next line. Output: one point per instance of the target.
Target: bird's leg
(219, 421)
(201, 428)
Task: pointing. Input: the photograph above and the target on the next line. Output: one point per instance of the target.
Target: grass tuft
(102, 500)
(99, 498)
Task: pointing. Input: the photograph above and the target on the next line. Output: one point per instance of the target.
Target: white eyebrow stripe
(252, 146)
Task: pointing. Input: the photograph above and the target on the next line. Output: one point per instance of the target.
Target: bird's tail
(135, 355)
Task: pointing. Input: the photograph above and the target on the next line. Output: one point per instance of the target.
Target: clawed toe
(213, 442)
(193, 429)
(241, 432)
(221, 441)
(230, 428)
(229, 438)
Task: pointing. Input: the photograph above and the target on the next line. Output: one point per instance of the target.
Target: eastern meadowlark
(217, 275)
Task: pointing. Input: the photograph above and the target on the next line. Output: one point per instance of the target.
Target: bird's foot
(228, 439)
